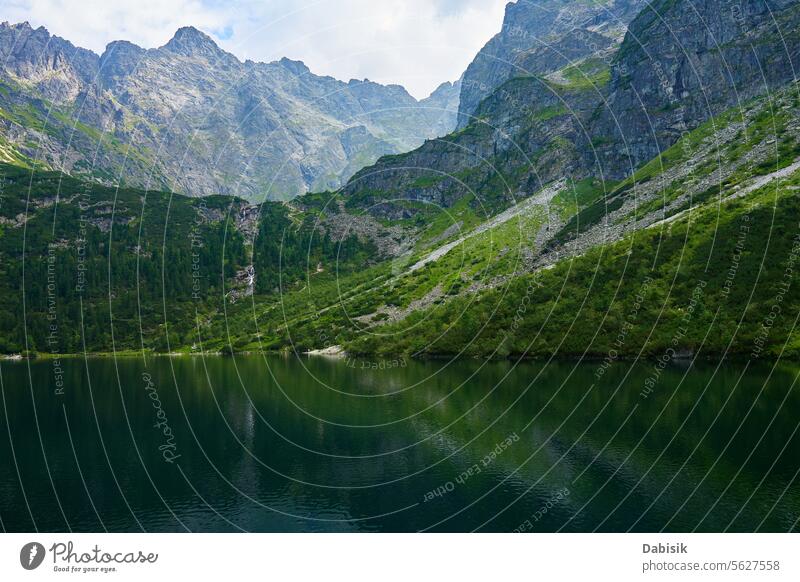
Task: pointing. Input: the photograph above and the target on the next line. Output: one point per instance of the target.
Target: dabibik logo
(31, 555)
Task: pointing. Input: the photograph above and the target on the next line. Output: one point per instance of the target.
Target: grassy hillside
(719, 280)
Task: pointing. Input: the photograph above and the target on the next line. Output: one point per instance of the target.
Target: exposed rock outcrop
(683, 62)
(540, 37)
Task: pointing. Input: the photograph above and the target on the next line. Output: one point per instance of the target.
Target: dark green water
(281, 444)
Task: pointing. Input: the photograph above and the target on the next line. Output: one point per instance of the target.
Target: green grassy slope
(721, 280)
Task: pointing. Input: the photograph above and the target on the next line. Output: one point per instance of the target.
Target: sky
(415, 43)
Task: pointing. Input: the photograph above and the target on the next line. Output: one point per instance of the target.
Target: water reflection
(280, 444)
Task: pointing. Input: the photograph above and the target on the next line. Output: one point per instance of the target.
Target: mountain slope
(703, 260)
(190, 117)
(719, 282)
(720, 207)
(698, 266)
(684, 62)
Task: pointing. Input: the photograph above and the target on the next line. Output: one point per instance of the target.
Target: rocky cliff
(541, 37)
(683, 62)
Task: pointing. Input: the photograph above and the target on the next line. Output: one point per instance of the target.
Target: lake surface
(285, 444)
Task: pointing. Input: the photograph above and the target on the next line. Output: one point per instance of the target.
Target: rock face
(193, 118)
(541, 37)
(683, 62)
(58, 70)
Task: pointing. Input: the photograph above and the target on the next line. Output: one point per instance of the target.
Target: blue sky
(416, 43)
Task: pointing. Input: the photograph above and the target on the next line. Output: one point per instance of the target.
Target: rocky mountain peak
(120, 59)
(54, 66)
(18, 26)
(296, 67)
(443, 89)
(120, 46)
(191, 42)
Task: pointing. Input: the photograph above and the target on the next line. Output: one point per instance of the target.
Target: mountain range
(192, 118)
(623, 178)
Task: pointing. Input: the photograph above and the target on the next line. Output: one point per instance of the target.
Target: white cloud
(415, 43)
(94, 23)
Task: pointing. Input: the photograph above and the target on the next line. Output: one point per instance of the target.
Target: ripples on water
(281, 444)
